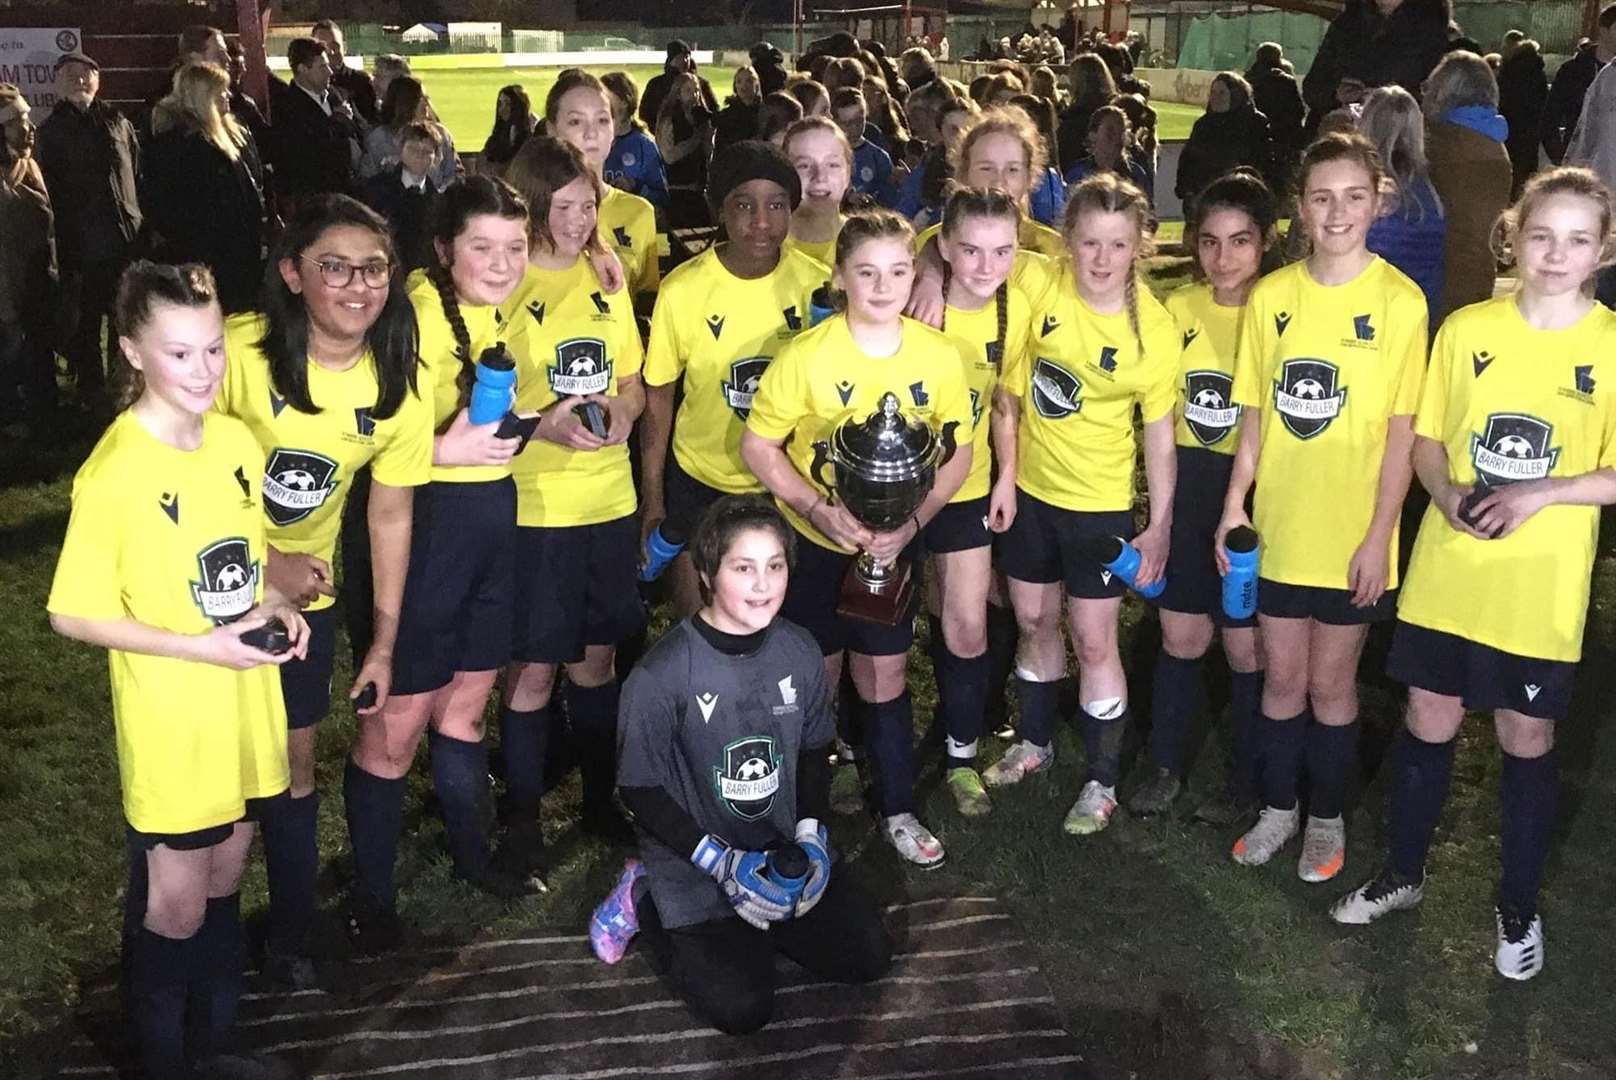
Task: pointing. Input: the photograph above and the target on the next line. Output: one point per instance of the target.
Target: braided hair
(975, 202)
(1108, 193)
(472, 196)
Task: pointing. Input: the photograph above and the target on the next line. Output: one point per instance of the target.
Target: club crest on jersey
(620, 234)
(1055, 390)
(715, 323)
(296, 484)
(229, 584)
(742, 384)
(1513, 447)
(749, 776)
(1306, 396)
(1209, 412)
(581, 368)
(364, 423)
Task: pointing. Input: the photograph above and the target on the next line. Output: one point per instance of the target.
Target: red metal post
(251, 26)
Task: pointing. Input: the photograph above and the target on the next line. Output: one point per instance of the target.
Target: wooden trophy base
(885, 606)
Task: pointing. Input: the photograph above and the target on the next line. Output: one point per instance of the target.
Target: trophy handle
(946, 437)
(816, 469)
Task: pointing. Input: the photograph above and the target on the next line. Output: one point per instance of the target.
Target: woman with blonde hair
(202, 186)
(1411, 232)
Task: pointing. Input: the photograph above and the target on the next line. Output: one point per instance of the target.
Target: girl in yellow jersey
(823, 159)
(1516, 442)
(1328, 375)
(1100, 348)
(578, 111)
(326, 380)
(1231, 226)
(578, 356)
(840, 370)
(988, 321)
(454, 628)
(719, 320)
(162, 565)
(1000, 149)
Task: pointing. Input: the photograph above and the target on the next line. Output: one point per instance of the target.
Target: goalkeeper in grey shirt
(723, 735)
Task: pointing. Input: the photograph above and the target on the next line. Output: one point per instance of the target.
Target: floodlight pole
(796, 26)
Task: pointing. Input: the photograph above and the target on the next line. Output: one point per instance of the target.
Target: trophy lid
(887, 447)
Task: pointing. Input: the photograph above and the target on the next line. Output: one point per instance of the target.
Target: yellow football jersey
(823, 378)
(1512, 403)
(1328, 366)
(720, 332)
(175, 539)
(310, 458)
(569, 338)
(627, 223)
(821, 251)
(1208, 418)
(1078, 381)
(975, 334)
(440, 366)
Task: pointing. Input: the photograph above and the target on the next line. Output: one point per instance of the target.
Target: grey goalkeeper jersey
(721, 735)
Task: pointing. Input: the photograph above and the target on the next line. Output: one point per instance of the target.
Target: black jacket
(657, 89)
(357, 87)
(407, 210)
(27, 258)
(1218, 143)
(1564, 106)
(1379, 50)
(1072, 136)
(735, 122)
(203, 207)
(1523, 90)
(313, 153)
(91, 161)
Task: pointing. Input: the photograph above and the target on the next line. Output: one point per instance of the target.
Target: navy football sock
(524, 735)
(593, 712)
(1245, 722)
(460, 777)
(1002, 639)
(1332, 764)
(890, 727)
(1529, 790)
(216, 992)
(292, 860)
(965, 678)
(1175, 699)
(1040, 707)
(1421, 774)
(1102, 743)
(374, 807)
(1282, 742)
(160, 971)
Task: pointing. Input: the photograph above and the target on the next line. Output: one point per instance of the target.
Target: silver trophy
(884, 468)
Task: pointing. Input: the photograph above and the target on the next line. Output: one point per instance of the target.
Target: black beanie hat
(753, 159)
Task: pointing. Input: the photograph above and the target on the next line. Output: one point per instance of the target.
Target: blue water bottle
(1240, 583)
(1122, 559)
(820, 307)
(789, 868)
(491, 394)
(661, 548)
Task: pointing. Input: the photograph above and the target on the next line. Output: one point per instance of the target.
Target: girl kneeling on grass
(1231, 226)
(1516, 442)
(163, 565)
(1328, 375)
(841, 370)
(714, 793)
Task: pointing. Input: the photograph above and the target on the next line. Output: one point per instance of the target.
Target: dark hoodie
(1363, 44)
(1523, 91)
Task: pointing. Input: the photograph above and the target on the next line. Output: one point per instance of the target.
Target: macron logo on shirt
(706, 703)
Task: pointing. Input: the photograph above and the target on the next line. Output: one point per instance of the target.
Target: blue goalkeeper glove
(744, 877)
(811, 837)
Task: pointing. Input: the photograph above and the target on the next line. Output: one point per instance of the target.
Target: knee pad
(1110, 708)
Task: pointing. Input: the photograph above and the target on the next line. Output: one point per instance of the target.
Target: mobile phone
(516, 426)
(593, 416)
(270, 637)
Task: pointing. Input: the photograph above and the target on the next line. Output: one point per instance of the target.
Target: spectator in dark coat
(1464, 143)
(1092, 87)
(1571, 85)
(242, 105)
(405, 195)
(27, 269)
(514, 124)
(91, 159)
(1377, 42)
(1231, 133)
(1276, 94)
(770, 66)
(201, 188)
(313, 129)
(353, 82)
(737, 121)
(1523, 91)
(680, 61)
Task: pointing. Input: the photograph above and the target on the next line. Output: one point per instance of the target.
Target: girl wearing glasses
(325, 378)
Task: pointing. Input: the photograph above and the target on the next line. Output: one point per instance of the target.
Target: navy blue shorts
(1194, 585)
(1479, 675)
(195, 840)
(1333, 607)
(306, 683)
(959, 526)
(576, 585)
(1046, 544)
(460, 592)
(686, 499)
(815, 589)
